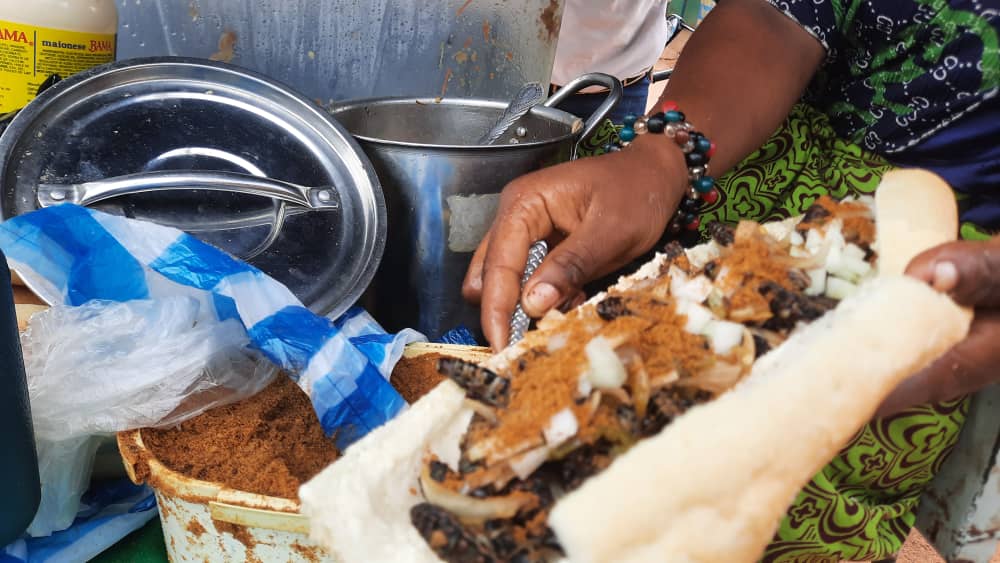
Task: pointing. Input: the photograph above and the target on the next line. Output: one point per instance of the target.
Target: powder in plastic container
(268, 444)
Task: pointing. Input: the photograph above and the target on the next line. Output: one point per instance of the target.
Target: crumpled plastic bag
(106, 367)
(73, 255)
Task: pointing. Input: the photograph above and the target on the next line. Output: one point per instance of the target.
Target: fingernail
(541, 298)
(945, 276)
(476, 283)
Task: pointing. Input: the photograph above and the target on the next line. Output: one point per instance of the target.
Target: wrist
(682, 158)
(663, 160)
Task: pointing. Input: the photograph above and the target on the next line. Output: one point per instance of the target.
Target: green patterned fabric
(801, 161)
(594, 144)
(861, 506)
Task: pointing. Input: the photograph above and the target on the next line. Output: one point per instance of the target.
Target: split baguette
(713, 485)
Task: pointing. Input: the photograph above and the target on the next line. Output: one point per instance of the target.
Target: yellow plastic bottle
(39, 38)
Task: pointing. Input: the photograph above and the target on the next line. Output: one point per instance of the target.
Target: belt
(626, 82)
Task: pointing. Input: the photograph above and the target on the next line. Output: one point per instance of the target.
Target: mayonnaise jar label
(30, 54)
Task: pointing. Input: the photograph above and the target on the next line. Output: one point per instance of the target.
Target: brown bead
(682, 137)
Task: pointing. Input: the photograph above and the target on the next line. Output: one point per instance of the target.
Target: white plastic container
(205, 521)
(39, 38)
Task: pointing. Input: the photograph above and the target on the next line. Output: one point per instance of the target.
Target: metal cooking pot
(442, 189)
(228, 155)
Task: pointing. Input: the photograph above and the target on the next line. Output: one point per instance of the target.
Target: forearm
(739, 76)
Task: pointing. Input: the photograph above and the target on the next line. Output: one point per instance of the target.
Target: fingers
(472, 285)
(589, 251)
(968, 270)
(969, 366)
(523, 222)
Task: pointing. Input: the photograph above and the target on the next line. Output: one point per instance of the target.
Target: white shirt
(623, 38)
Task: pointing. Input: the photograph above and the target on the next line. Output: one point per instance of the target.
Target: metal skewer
(519, 321)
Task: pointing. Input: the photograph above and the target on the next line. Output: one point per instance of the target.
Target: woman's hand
(970, 273)
(597, 214)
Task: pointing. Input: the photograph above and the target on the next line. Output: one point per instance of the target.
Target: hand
(597, 214)
(970, 273)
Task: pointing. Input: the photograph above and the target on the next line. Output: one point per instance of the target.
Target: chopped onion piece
(814, 242)
(584, 386)
(562, 426)
(837, 288)
(526, 464)
(661, 381)
(703, 254)
(780, 231)
(817, 282)
(717, 302)
(551, 319)
(691, 289)
(833, 256)
(606, 369)
(719, 378)
(724, 336)
(848, 263)
(854, 252)
(799, 252)
(698, 317)
(796, 239)
(470, 509)
(557, 342)
(487, 412)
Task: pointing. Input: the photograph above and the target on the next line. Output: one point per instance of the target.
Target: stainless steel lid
(184, 142)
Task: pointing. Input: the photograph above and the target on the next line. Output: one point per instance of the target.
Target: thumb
(969, 271)
(581, 257)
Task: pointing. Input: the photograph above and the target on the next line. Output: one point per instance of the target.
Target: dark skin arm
(737, 79)
(970, 273)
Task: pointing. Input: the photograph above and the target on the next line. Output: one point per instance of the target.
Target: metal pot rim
(574, 123)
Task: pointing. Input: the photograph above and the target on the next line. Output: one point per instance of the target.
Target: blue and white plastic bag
(117, 266)
(72, 255)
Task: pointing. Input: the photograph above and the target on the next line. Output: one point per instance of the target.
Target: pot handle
(615, 93)
(88, 193)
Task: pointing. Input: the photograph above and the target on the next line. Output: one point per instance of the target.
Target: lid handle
(88, 193)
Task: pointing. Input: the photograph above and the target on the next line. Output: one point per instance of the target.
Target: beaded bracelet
(698, 150)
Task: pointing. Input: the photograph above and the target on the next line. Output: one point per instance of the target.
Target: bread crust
(914, 210)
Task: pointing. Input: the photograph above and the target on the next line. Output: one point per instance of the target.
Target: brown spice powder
(549, 382)
(267, 444)
(547, 385)
(415, 377)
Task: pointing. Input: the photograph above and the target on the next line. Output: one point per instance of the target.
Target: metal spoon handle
(520, 321)
(526, 98)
